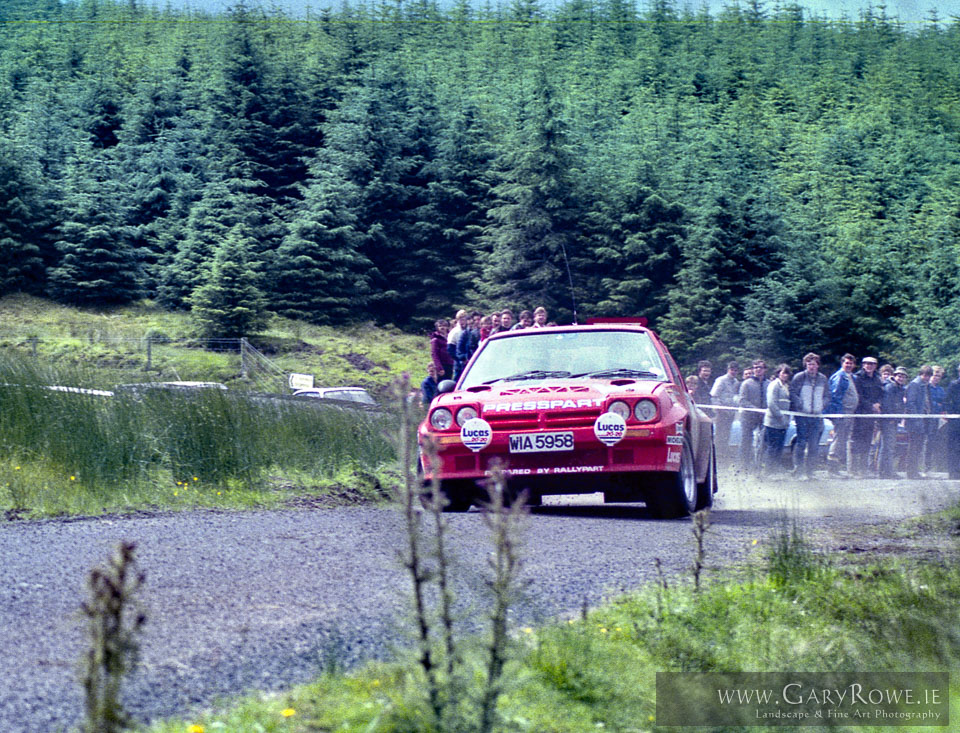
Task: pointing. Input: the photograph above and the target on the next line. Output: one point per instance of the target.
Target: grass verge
(795, 611)
(66, 452)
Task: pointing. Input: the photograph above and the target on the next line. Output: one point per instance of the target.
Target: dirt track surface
(264, 600)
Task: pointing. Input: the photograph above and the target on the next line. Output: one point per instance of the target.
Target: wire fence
(161, 354)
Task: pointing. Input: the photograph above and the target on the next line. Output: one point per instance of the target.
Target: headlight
(441, 418)
(620, 408)
(645, 410)
(465, 413)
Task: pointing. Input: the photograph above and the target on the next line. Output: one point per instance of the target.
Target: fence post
(33, 346)
(149, 353)
(243, 358)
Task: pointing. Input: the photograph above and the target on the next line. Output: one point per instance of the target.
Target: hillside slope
(109, 345)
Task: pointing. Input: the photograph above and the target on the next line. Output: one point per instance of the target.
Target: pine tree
(224, 204)
(460, 196)
(159, 176)
(634, 262)
(321, 275)
(229, 303)
(97, 264)
(23, 228)
(533, 223)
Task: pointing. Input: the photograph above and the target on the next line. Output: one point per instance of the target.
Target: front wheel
(678, 495)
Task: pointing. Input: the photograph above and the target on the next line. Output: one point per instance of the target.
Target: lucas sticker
(609, 428)
(476, 434)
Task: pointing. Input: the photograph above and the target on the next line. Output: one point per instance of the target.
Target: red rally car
(573, 409)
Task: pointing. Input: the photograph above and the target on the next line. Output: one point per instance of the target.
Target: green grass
(113, 342)
(68, 453)
(63, 453)
(598, 672)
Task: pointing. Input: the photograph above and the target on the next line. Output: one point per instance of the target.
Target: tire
(530, 498)
(678, 494)
(458, 501)
(459, 498)
(708, 487)
(512, 494)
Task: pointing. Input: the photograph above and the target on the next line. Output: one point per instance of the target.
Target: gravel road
(263, 600)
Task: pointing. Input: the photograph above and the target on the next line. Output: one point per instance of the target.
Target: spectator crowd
(865, 444)
(763, 407)
(452, 346)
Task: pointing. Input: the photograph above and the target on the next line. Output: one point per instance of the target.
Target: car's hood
(551, 395)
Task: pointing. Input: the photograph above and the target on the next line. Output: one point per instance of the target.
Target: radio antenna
(573, 295)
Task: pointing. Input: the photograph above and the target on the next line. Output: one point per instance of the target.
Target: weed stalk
(414, 557)
(503, 518)
(435, 504)
(662, 586)
(114, 623)
(701, 523)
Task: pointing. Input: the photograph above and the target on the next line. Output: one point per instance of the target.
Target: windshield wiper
(534, 374)
(619, 372)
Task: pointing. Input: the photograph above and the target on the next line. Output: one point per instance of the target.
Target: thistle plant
(114, 622)
(428, 560)
(414, 555)
(503, 518)
(701, 523)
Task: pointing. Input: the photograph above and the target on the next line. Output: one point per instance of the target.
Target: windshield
(566, 355)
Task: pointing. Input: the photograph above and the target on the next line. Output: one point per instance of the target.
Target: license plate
(540, 442)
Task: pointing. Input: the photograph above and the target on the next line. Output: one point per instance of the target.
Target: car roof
(574, 328)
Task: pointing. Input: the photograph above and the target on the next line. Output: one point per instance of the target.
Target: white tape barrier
(833, 416)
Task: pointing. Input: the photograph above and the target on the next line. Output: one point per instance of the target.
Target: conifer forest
(755, 181)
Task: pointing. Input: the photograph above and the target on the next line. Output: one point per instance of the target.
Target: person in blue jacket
(844, 399)
(933, 450)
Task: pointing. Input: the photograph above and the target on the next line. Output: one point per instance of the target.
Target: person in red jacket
(439, 353)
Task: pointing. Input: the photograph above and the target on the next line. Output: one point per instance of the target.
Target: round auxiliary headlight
(441, 418)
(465, 413)
(620, 408)
(645, 410)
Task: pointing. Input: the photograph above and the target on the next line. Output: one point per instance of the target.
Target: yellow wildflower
(195, 729)
(73, 478)
(288, 712)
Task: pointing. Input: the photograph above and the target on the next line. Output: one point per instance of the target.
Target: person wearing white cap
(869, 393)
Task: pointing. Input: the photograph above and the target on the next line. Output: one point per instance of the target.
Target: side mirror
(447, 385)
